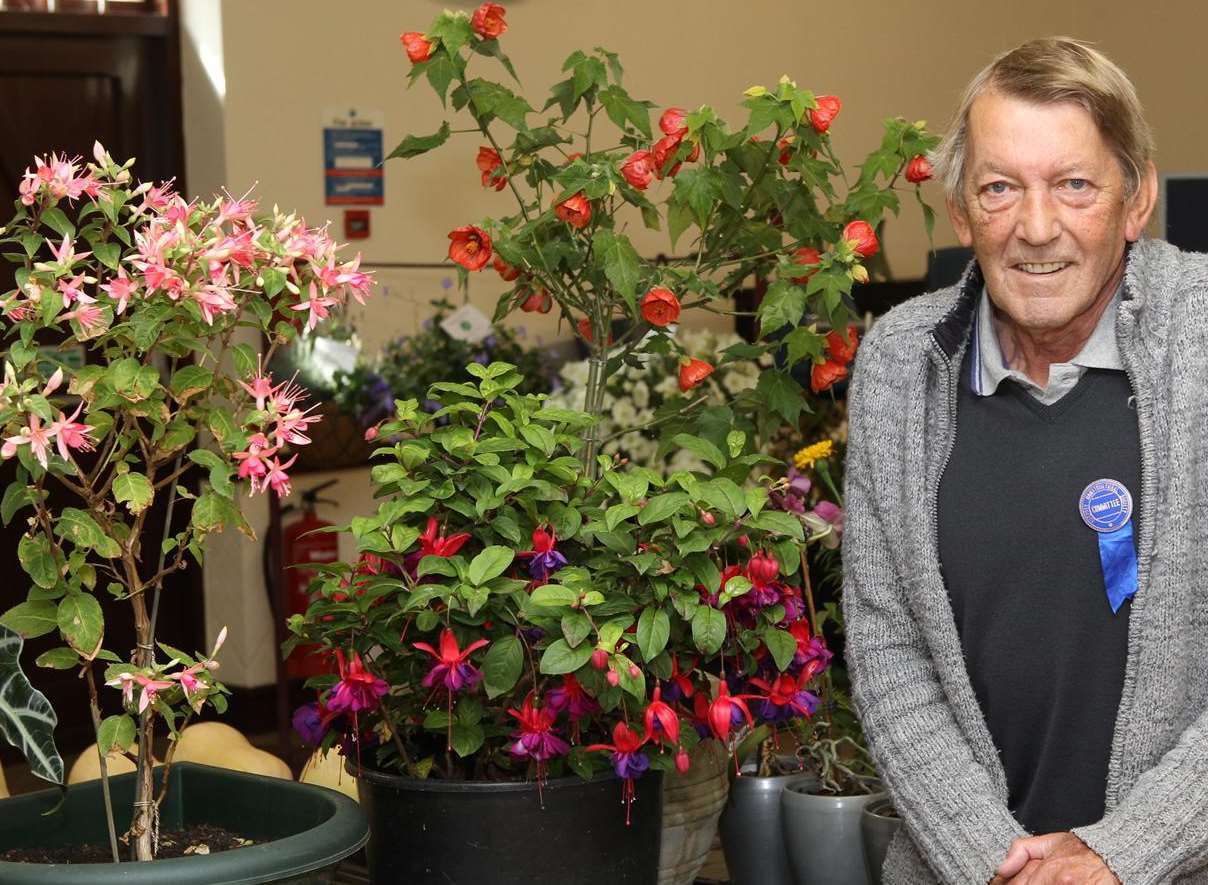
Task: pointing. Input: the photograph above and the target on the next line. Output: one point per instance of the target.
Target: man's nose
(1038, 222)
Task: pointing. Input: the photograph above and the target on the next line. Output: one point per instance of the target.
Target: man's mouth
(1041, 268)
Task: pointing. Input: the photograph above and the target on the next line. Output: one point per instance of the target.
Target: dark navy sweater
(1044, 651)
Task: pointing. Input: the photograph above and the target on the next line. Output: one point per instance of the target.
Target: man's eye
(998, 188)
(1077, 184)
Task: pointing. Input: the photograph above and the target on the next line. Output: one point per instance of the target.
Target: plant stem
(688, 408)
(104, 763)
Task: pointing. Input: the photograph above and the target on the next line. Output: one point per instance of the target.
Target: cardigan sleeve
(947, 800)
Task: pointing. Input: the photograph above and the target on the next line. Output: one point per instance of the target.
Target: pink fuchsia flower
(535, 737)
(261, 387)
(72, 289)
(252, 463)
(358, 689)
(87, 315)
(661, 721)
(277, 478)
(65, 253)
(232, 210)
(156, 198)
(69, 434)
(120, 289)
(345, 277)
(452, 669)
(150, 688)
(316, 305)
(213, 300)
(35, 436)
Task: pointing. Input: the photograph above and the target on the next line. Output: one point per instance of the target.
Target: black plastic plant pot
(300, 832)
(470, 833)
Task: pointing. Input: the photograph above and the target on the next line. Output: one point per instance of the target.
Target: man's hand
(1053, 859)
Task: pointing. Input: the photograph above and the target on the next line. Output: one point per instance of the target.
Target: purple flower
(309, 723)
(535, 738)
(630, 765)
(545, 564)
(452, 668)
(826, 515)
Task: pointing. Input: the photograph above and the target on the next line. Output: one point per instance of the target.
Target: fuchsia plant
(169, 406)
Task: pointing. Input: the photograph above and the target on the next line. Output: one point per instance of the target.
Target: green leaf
(61, 658)
(702, 448)
(84, 531)
(133, 490)
(699, 189)
(54, 218)
(109, 254)
(618, 513)
(779, 523)
(724, 495)
(553, 596)
(560, 658)
(783, 305)
(31, 619)
(575, 627)
(493, 100)
(803, 343)
(654, 629)
(622, 109)
(501, 665)
(735, 587)
(708, 629)
(466, 739)
(245, 359)
(661, 507)
(782, 645)
(38, 560)
(620, 262)
(27, 720)
(452, 30)
(81, 623)
(781, 393)
(414, 145)
(115, 733)
(190, 381)
(490, 563)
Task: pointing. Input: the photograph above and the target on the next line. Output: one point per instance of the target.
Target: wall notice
(352, 157)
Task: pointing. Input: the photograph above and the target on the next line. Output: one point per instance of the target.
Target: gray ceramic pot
(752, 836)
(822, 834)
(879, 824)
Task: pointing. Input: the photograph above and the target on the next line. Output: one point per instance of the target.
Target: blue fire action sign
(352, 157)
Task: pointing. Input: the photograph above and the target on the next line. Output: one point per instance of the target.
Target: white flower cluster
(634, 394)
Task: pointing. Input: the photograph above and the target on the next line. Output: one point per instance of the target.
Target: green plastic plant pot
(300, 831)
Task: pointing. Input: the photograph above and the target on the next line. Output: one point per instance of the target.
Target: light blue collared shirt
(989, 369)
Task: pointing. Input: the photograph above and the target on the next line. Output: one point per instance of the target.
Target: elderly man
(1026, 555)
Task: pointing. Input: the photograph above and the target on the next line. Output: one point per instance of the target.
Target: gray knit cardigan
(910, 683)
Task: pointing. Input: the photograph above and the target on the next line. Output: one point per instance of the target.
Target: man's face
(1044, 208)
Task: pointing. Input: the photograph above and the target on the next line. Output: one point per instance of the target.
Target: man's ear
(1142, 204)
(960, 221)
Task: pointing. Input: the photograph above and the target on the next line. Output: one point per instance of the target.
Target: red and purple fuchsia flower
(544, 559)
(628, 760)
(571, 698)
(358, 689)
(452, 670)
(535, 737)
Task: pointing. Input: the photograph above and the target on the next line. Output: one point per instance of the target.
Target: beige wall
(284, 61)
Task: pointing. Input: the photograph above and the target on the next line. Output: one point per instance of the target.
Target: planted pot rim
(261, 862)
(877, 809)
(807, 784)
(436, 785)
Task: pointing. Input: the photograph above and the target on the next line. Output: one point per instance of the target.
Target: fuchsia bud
(763, 569)
(744, 541)
(599, 659)
(634, 671)
(371, 434)
(682, 762)
(708, 518)
(614, 678)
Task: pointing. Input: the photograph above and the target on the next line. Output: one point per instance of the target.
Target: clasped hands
(1053, 859)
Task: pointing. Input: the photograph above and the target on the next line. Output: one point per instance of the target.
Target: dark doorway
(68, 78)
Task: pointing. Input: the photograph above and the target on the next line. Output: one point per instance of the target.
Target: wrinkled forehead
(1017, 137)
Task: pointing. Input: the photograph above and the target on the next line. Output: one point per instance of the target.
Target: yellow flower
(806, 458)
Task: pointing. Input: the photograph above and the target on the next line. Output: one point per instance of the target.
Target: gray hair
(1050, 71)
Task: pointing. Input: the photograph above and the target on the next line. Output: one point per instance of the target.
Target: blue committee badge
(1105, 505)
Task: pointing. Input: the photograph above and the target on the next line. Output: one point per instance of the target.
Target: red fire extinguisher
(301, 545)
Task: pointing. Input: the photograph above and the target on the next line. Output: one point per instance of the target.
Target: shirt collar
(989, 369)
